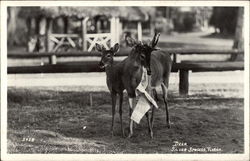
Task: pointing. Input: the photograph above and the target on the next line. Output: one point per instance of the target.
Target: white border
(3, 29)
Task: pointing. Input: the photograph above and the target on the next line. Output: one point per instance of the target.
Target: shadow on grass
(219, 36)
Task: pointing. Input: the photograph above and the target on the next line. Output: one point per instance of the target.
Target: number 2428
(28, 139)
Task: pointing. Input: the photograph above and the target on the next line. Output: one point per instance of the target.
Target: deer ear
(98, 47)
(155, 40)
(116, 48)
(155, 49)
(130, 41)
(148, 42)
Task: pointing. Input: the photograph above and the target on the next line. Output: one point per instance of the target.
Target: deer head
(143, 50)
(107, 55)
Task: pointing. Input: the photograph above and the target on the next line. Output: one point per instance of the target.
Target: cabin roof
(125, 13)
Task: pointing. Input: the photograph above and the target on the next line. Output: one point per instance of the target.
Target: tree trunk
(12, 13)
(238, 40)
(66, 25)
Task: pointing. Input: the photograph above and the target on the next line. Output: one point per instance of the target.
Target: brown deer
(128, 73)
(116, 75)
(113, 79)
(158, 65)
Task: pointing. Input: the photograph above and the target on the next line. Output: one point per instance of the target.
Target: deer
(158, 65)
(113, 79)
(128, 73)
(116, 75)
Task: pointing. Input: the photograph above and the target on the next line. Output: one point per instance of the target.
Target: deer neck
(109, 70)
(136, 65)
(135, 59)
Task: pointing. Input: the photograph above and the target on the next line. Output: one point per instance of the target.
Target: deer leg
(113, 96)
(131, 103)
(155, 94)
(150, 129)
(153, 108)
(120, 112)
(130, 111)
(165, 98)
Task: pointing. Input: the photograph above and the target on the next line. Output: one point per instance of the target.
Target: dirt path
(220, 84)
(99, 79)
(194, 40)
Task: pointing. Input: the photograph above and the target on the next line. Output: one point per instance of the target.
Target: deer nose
(148, 70)
(101, 65)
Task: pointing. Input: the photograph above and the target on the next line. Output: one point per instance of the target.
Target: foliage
(189, 22)
(17, 16)
(225, 19)
(128, 13)
(16, 28)
(163, 25)
(185, 22)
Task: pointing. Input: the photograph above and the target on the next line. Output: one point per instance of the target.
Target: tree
(225, 19)
(16, 27)
(12, 14)
(238, 39)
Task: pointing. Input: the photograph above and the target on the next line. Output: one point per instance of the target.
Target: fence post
(48, 32)
(84, 33)
(52, 59)
(90, 99)
(113, 31)
(174, 58)
(139, 31)
(183, 83)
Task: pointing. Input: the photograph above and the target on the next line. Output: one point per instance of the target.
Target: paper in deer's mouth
(145, 100)
(103, 66)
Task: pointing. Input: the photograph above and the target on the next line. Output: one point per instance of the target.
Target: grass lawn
(45, 120)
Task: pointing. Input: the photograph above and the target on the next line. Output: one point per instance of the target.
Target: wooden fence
(92, 66)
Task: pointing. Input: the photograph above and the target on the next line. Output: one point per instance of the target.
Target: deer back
(161, 64)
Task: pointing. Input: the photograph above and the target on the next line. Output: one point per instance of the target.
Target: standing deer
(113, 79)
(116, 79)
(158, 65)
(128, 73)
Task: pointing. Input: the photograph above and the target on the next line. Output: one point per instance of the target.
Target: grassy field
(60, 120)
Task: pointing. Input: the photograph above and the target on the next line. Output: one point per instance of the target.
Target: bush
(184, 22)
(163, 25)
(188, 23)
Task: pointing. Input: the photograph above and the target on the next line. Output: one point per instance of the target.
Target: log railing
(92, 66)
(122, 52)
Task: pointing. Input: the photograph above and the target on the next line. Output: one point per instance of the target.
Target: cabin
(55, 29)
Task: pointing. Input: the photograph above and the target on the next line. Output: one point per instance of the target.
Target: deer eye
(142, 56)
(108, 55)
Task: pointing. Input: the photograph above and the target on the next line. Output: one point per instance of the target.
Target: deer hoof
(151, 135)
(123, 134)
(112, 133)
(130, 135)
(168, 125)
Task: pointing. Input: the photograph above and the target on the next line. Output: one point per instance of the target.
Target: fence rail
(123, 52)
(92, 66)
